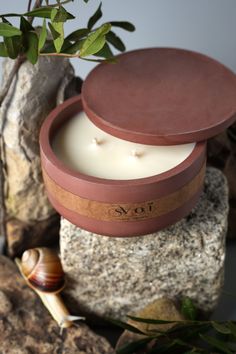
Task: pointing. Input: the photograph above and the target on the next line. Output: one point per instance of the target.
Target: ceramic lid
(161, 96)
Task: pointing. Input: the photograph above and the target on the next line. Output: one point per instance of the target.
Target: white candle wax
(85, 148)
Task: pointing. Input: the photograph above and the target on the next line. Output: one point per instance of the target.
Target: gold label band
(124, 211)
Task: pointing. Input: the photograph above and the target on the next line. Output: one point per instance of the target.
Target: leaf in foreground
(128, 26)
(45, 12)
(132, 347)
(3, 50)
(95, 41)
(78, 34)
(32, 47)
(7, 30)
(59, 28)
(188, 309)
(220, 327)
(149, 320)
(13, 46)
(96, 16)
(216, 343)
(25, 25)
(115, 41)
(43, 35)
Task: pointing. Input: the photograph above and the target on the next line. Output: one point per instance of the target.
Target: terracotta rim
(195, 94)
(118, 190)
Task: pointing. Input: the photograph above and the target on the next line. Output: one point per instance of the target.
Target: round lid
(161, 96)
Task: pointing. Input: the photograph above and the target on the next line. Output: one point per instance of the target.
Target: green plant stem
(61, 3)
(29, 5)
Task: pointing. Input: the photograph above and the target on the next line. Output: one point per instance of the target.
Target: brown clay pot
(118, 207)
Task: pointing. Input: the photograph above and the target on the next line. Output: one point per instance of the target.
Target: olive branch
(27, 42)
(190, 336)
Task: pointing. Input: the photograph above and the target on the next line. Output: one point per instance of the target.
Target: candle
(85, 148)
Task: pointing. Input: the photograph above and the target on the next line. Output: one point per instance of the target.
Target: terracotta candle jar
(134, 162)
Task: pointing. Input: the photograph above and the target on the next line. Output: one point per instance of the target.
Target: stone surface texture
(27, 328)
(116, 276)
(32, 95)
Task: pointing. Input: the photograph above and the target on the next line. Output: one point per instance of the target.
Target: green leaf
(13, 46)
(61, 15)
(7, 30)
(134, 346)
(80, 33)
(232, 327)
(115, 41)
(95, 60)
(54, 33)
(149, 320)
(3, 50)
(124, 25)
(43, 35)
(125, 325)
(53, 13)
(188, 309)
(216, 343)
(95, 41)
(45, 12)
(221, 328)
(105, 52)
(86, 1)
(59, 28)
(10, 15)
(96, 16)
(25, 25)
(71, 48)
(32, 47)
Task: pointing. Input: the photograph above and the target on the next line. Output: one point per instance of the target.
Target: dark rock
(22, 236)
(27, 328)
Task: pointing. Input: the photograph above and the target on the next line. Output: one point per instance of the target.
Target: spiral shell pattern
(43, 270)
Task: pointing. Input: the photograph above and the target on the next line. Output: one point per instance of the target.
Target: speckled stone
(116, 276)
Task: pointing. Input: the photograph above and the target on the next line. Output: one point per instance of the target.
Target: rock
(6, 305)
(27, 328)
(32, 95)
(22, 236)
(161, 309)
(34, 92)
(116, 276)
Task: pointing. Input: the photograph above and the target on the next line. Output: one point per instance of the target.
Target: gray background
(207, 26)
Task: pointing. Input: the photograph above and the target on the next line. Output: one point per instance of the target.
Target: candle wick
(135, 153)
(96, 141)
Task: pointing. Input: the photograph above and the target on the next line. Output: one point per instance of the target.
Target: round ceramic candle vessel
(118, 207)
(155, 96)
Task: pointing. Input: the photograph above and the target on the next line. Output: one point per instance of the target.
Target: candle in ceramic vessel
(85, 148)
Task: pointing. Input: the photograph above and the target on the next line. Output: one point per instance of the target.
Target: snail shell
(42, 268)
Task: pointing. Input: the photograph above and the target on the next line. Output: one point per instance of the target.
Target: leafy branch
(186, 337)
(32, 42)
(29, 42)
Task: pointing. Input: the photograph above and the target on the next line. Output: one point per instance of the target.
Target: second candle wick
(136, 153)
(96, 141)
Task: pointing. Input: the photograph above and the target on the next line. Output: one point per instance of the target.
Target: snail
(42, 270)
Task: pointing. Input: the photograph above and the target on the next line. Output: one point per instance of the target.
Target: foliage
(50, 39)
(185, 337)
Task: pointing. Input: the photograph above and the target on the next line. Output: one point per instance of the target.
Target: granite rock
(27, 328)
(116, 276)
(32, 95)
